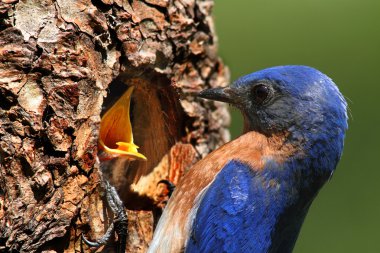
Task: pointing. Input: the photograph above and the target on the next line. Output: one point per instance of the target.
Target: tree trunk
(61, 63)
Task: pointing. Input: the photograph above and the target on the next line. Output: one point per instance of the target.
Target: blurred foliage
(342, 39)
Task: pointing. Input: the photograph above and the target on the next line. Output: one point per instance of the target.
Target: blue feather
(240, 211)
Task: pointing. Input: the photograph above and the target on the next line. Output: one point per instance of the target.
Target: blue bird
(253, 193)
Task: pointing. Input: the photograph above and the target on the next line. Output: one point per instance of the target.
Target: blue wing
(233, 214)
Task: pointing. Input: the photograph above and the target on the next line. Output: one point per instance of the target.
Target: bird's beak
(115, 136)
(227, 95)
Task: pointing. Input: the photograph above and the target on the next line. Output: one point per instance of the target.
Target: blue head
(297, 100)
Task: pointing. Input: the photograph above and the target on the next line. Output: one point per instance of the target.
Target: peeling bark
(61, 63)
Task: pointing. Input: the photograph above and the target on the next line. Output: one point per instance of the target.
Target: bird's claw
(119, 224)
(103, 240)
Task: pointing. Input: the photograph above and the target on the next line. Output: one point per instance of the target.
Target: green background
(342, 39)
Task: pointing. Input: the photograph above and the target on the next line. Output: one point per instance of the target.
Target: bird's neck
(287, 200)
(298, 168)
(322, 149)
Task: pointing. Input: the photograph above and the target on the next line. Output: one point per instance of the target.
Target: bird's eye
(260, 93)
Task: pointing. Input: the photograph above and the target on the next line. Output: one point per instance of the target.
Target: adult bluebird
(253, 193)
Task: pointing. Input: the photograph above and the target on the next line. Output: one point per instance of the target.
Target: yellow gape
(116, 137)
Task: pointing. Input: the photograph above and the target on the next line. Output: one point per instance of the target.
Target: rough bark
(61, 62)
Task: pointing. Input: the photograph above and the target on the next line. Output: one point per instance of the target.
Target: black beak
(227, 95)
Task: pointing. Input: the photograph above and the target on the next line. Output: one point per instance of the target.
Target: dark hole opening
(156, 120)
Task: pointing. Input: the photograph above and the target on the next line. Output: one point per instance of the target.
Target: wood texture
(61, 63)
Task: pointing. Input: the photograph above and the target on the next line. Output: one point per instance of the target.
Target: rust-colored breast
(252, 148)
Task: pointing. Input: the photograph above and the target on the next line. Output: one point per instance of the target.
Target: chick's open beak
(116, 137)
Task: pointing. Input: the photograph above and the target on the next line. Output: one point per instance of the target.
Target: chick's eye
(260, 93)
